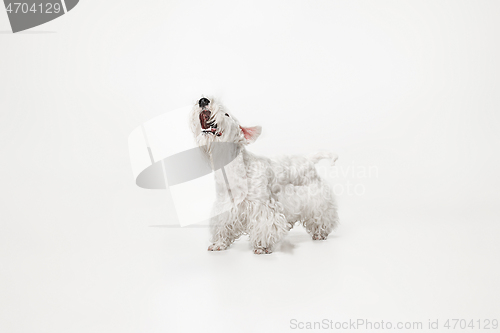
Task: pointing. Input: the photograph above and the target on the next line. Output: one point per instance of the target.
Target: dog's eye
(227, 115)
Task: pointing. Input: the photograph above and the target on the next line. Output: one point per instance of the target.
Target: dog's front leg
(225, 228)
(267, 226)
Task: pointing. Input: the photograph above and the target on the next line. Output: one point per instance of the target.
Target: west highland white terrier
(256, 195)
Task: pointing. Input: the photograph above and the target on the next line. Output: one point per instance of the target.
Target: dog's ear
(251, 133)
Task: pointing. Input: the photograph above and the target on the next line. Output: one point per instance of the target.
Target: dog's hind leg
(322, 215)
(267, 226)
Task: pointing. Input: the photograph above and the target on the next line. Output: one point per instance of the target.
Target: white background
(410, 88)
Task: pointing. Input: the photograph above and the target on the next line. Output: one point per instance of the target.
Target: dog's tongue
(204, 117)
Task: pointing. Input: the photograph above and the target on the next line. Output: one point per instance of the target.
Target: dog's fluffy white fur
(256, 195)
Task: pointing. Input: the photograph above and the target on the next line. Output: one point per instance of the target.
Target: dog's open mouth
(207, 126)
(210, 130)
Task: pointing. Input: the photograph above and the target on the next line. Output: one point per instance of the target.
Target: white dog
(256, 195)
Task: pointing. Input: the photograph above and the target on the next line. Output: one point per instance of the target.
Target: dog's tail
(316, 157)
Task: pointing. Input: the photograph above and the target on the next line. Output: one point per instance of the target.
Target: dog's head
(210, 122)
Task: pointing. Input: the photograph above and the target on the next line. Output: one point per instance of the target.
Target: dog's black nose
(203, 102)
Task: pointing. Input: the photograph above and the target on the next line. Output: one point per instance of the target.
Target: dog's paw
(262, 250)
(217, 247)
(320, 237)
